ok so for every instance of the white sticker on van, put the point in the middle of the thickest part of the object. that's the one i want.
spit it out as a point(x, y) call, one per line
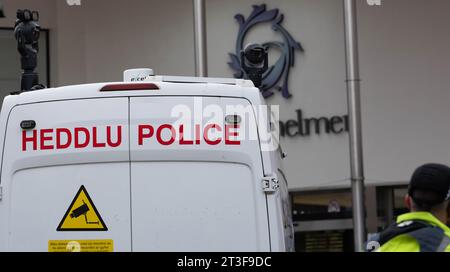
point(81, 245)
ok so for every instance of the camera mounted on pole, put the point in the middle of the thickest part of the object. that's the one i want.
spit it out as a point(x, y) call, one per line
point(255, 62)
point(27, 32)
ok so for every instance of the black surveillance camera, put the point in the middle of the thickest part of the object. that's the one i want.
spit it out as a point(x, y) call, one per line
point(254, 62)
point(255, 54)
point(27, 32)
point(24, 15)
point(35, 16)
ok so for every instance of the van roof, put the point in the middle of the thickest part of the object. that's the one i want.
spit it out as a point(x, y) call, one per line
point(179, 88)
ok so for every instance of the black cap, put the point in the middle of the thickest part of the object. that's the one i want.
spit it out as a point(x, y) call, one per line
point(431, 177)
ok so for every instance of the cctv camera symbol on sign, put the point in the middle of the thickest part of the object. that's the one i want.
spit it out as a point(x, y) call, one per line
point(82, 210)
point(82, 215)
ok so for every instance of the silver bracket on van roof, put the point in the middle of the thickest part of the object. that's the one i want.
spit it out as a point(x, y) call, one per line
point(270, 184)
point(184, 79)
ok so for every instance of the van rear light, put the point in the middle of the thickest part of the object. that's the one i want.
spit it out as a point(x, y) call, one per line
point(129, 87)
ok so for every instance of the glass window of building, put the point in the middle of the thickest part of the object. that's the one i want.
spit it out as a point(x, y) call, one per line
point(322, 205)
point(323, 221)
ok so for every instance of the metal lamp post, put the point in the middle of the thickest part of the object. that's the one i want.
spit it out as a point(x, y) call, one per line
point(354, 110)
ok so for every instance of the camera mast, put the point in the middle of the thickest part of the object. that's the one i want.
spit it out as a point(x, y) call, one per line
point(27, 32)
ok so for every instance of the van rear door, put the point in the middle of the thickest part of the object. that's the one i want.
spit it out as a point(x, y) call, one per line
point(190, 193)
point(76, 146)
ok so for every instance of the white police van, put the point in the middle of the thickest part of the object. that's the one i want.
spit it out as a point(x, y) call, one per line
point(147, 164)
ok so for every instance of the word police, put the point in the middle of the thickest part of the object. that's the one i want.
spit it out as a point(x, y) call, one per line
point(111, 136)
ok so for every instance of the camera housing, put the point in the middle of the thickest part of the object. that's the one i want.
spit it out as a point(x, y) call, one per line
point(27, 15)
point(255, 62)
point(255, 54)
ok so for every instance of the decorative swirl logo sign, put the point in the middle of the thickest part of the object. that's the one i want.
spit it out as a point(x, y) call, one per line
point(277, 76)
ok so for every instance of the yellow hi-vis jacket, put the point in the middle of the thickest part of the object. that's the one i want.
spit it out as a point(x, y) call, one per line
point(407, 243)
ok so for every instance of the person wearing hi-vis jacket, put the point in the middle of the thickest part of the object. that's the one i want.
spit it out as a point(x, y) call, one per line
point(424, 228)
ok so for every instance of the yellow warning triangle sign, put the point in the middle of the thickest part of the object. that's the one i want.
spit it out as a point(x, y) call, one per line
point(82, 215)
